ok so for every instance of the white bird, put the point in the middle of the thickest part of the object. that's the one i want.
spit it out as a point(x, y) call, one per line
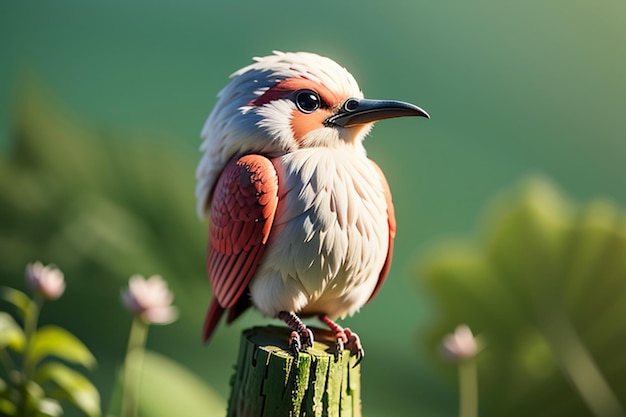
point(301, 220)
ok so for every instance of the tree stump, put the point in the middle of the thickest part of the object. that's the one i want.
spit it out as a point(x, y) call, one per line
point(269, 382)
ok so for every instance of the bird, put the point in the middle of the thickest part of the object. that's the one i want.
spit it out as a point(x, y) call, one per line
point(301, 221)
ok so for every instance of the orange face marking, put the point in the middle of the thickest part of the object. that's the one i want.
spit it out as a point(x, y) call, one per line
point(303, 123)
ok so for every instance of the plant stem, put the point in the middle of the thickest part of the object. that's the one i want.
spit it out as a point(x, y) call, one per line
point(468, 388)
point(28, 364)
point(30, 327)
point(580, 367)
point(132, 367)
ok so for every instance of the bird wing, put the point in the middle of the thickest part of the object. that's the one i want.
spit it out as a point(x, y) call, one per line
point(242, 213)
point(391, 221)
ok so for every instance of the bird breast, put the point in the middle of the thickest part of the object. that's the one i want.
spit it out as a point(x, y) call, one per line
point(330, 236)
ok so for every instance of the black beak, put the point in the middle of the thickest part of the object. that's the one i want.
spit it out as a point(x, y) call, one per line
point(360, 111)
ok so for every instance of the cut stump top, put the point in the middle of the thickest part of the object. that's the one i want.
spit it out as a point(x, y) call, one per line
point(268, 382)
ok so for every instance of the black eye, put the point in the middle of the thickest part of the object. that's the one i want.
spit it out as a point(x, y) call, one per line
point(308, 101)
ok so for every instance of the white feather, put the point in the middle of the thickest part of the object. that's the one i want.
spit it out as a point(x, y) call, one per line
point(318, 260)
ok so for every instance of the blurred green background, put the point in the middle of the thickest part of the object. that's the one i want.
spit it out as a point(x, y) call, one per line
point(101, 105)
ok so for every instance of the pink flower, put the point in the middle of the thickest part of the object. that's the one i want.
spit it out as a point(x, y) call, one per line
point(46, 280)
point(150, 299)
point(460, 345)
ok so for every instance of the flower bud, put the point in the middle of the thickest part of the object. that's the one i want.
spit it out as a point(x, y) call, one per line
point(46, 280)
point(150, 299)
point(460, 345)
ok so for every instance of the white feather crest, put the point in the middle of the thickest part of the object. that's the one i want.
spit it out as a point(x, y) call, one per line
point(233, 128)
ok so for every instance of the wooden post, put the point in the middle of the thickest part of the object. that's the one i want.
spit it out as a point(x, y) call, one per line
point(268, 382)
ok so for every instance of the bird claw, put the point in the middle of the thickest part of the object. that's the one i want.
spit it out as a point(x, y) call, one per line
point(340, 345)
point(295, 343)
point(354, 345)
point(301, 337)
point(345, 338)
point(300, 341)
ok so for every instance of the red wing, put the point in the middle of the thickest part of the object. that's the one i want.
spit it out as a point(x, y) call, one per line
point(391, 221)
point(242, 212)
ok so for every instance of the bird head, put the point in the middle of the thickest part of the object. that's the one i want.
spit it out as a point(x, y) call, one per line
point(284, 102)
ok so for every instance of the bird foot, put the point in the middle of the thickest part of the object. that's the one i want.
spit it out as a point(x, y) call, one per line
point(301, 337)
point(354, 345)
point(300, 342)
point(345, 338)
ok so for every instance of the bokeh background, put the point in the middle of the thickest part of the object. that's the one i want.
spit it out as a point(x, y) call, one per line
point(101, 105)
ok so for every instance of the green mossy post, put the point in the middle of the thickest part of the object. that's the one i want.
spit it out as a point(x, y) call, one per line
point(268, 382)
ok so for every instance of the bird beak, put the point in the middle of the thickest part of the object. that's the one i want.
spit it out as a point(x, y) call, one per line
point(361, 111)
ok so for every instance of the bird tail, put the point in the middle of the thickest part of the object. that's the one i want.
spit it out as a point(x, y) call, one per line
point(212, 318)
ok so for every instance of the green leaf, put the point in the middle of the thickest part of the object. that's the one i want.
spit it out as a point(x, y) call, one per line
point(20, 300)
point(7, 407)
point(11, 334)
point(545, 289)
point(168, 389)
point(49, 407)
point(75, 387)
point(115, 400)
point(56, 341)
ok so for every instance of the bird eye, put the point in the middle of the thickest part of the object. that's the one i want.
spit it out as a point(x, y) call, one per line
point(308, 101)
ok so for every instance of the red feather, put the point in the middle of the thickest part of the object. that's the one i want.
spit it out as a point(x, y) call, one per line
point(242, 213)
point(391, 220)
